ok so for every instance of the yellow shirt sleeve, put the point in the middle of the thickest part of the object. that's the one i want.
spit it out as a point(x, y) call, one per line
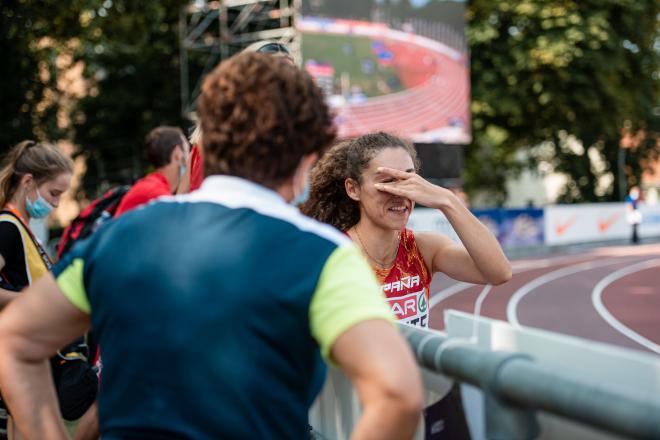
point(347, 294)
point(70, 282)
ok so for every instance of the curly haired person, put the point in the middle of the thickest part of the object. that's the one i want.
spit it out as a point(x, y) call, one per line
point(215, 320)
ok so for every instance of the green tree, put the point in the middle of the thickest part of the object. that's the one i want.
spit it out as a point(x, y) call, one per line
point(131, 55)
point(31, 34)
point(555, 70)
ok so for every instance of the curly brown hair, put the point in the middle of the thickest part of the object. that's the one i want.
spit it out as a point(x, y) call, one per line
point(260, 115)
point(328, 201)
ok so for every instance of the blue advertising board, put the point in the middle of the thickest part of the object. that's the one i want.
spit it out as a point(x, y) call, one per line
point(513, 227)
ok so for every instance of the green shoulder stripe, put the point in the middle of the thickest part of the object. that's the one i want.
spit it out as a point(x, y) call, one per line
point(347, 294)
point(70, 281)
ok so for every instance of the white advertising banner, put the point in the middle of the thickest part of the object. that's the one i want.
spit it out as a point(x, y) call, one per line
point(431, 220)
point(562, 224)
point(565, 224)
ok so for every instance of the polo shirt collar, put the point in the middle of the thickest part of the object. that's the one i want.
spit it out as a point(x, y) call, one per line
point(236, 192)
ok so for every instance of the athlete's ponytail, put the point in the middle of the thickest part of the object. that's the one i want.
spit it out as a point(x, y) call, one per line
point(43, 161)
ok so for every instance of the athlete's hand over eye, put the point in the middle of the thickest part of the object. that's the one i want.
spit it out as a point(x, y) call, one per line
point(414, 187)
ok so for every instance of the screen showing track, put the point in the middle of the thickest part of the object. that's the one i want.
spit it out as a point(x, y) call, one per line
point(400, 66)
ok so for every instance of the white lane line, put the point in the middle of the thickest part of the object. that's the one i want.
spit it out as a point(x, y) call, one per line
point(512, 306)
point(527, 266)
point(597, 299)
point(449, 291)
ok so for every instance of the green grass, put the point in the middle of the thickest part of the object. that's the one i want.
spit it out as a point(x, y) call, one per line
point(328, 49)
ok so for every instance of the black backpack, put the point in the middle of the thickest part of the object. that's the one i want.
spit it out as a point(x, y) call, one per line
point(75, 377)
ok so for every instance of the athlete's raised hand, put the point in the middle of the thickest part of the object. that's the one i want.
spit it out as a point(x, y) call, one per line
point(414, 187)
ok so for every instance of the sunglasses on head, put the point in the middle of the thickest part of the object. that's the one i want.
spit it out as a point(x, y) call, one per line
point(274, 48)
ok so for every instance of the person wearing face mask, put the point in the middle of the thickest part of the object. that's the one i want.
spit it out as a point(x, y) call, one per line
point(219, 330)
point(31, 182)
point(168, 153)
point(33, 178)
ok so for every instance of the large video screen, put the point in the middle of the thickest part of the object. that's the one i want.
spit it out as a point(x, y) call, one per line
point(395, 65)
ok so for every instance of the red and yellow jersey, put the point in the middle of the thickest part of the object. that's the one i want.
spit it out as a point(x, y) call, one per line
point(406, 284)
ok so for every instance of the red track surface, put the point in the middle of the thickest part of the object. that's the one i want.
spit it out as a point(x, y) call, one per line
point(560, 297)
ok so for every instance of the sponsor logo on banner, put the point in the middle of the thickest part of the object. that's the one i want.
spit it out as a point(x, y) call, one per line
point(564, 226)
point(604, 225)
point(411, 308)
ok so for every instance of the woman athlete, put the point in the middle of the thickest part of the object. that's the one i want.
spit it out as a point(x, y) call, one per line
point(368, 187)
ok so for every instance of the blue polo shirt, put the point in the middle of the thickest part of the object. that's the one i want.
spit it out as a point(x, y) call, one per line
point(213, 311)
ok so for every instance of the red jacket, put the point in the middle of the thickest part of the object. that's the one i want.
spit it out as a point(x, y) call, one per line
point(150, 187)
point(196, 168)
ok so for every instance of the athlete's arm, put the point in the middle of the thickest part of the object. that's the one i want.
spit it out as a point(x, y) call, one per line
point(32, 327)
point(380, 366)
point(481, 260)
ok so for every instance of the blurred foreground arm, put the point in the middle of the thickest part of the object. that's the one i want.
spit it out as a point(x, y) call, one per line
point(88, 426)
point(380, 365)
point(352, 323)
point(32, 328)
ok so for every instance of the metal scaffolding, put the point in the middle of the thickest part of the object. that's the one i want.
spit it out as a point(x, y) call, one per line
point(211, 31)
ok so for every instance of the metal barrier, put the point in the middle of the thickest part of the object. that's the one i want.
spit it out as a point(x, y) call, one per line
point(516, 387)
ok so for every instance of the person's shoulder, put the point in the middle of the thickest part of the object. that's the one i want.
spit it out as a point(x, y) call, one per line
point(308, 226)
point(144, 190)
point(10, 233)
point(153, 182)
point(8, 222)
point(9, 225)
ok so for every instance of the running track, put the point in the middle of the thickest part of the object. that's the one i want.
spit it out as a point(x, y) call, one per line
point(610, 294)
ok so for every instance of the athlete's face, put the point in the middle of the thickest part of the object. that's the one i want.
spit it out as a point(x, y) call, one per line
point(385, 210)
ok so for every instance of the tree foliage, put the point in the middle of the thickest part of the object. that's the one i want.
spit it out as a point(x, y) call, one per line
point(543, 73)
point(31, 34)
point(549, 71)
point(131, 55)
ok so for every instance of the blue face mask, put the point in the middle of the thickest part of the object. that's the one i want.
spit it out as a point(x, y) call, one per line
point(303, 196)
point(40, 208)
point(182, 170)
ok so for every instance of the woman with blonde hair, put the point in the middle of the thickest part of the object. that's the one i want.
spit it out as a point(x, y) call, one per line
point(32, 179)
